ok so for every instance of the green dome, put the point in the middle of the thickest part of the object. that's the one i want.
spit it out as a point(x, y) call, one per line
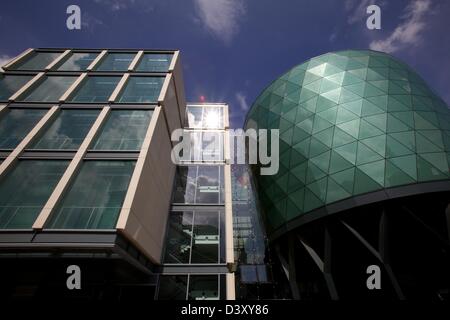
point(351, 122)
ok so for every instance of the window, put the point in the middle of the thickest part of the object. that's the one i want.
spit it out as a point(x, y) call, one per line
point(123, 130)
point(78, 61)
point(141, 90)
point(9, 84)
point(95, 89)
point(95, 197)
point(15, 124)
point(36, 61)
point(206, 239)
point(199, 184)
point(192, 287)
point(49, 90)
point(116, 62)
point(25, 190)
point(67, 131)
point(179, 237)
point(204, 117)
point(173, 287)
point(203, 287)
point(155, 62)
point(195, 237)
point(205, 146)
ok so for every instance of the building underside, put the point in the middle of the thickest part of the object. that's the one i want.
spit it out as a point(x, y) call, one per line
point(407, 237)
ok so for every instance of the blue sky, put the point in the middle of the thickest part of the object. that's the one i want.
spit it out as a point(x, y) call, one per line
point(232, 49)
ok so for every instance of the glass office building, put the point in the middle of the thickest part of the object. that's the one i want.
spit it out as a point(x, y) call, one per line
point(86, 178)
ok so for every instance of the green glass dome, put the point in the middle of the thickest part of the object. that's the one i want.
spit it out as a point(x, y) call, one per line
point(351, 123)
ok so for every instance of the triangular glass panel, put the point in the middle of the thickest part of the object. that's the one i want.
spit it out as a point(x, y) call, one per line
point(396, 177)
point(335, 192)
point(345, 179)
point(377, 144)
point(314, 173)
point(395, 149)
point(351, 127)
point(363, 183)
point(341, 137)
point(338, 163)
point(366, 155)
point(366, 130)
point(407, 164)
point(353, 106)
point(348, 151)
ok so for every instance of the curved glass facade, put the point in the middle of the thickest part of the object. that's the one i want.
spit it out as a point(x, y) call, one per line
point(351, 122)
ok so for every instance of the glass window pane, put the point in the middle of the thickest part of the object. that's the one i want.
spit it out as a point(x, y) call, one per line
point(67, 131)
point(37, 61)
point(205, 146)
point(172, 287)
point(78, 61)
point(206, 117)
point(25, 190)
point(178, 242)
point(9, 84)
point(205, 243)
point(203, 287)
point(212, 117)
point(155, 62)
point(141, 90)
point(185, 181)
point(95, 89)
point(15, 124)
point(194, 117)
point(49, 90)
point(209, 184)
point(124, 130)
point(116, 62)
point(199, 184)
point(95, 197)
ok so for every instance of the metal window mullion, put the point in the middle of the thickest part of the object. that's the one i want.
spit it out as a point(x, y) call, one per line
point(120, 86)
point(73, 87)
point(27, 86)
point(18, 58)
point(57, 60)
point(96, 60)
point(192, 236)
point(136, 60)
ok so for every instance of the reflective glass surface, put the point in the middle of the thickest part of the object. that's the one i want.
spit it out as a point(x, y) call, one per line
point(141, 90)
point(9, 84)
point(48, 90)
point(116, 62)
point(95, 196)
point(95, 89)
point(25, 190)
point(206, 117)
point(78, 61)
point(155, 62)
point(15, 124)
point(123, 130)
point(36, 61)
point(67, 131)
point(199, 184)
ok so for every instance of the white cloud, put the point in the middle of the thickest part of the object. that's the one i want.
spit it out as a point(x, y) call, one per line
point(221, 17)
point(117, 5)
point(242, 101)
point(357, 9)
point(407, 33)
